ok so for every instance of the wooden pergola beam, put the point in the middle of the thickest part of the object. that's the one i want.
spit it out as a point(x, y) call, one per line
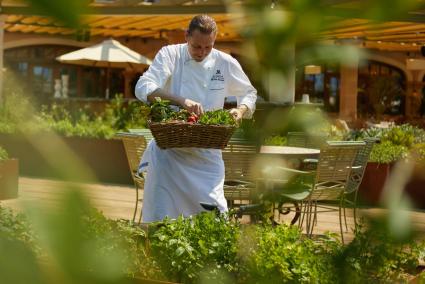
point(129, 10)
point(417, 16)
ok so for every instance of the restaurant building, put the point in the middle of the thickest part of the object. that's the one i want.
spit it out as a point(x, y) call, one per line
point(395, 53)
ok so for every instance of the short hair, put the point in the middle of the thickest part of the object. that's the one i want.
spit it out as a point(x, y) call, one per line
point(203, 23)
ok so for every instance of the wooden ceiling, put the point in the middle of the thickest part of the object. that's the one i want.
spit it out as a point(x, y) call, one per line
point(143, 19)
point(392, 36)
point(143, 26)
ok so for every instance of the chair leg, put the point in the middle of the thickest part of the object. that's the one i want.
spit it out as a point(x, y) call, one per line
point(345, 215)
point(313, 217)
point(309, 221)
point(302, 212)
point(140, 217)
point(340, 220)
point(137, 203)
point(355, 210)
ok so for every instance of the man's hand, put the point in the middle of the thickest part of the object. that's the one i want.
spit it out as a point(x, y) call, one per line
point(192, 106)
point(238, 112)
point(189, 105)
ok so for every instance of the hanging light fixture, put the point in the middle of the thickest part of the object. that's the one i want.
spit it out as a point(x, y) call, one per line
point(312, 69)
point(415, 64)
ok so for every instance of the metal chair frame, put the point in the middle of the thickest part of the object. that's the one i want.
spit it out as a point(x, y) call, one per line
point(329, 182)
point(239, 183)
point(135, 145)
point(359, 167)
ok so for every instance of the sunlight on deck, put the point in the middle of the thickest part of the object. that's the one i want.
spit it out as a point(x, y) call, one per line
point(117, 202)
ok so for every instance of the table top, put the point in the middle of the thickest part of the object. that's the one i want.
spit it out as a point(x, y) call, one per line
point(288, 150)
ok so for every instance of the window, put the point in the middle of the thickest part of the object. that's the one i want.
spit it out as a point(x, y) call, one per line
point(321, 83)
point(381, 89)
point(38, 69)
point(42, 81)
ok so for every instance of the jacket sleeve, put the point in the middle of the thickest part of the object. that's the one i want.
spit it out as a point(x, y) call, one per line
point(240, 87)
point(156, 76)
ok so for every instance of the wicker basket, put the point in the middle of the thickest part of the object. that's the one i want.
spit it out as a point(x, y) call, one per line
point(179, 134)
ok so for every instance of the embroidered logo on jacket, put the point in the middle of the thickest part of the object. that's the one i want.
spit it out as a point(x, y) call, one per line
point(217, 76)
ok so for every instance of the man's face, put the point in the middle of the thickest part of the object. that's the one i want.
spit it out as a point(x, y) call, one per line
point(200, 44)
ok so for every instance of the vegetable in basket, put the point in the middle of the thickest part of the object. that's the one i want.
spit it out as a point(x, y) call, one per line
point(162, 112)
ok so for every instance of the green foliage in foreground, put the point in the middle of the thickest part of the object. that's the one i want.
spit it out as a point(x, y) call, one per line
point(79, 245)
point(205, 246)
point(379, 256)
point(282, 255)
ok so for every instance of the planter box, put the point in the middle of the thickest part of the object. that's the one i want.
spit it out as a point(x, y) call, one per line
point(106, 159)
point(373, 182)
point(415, 188)
point(9, 173)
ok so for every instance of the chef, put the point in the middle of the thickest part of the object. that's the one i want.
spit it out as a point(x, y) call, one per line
point(196, 77)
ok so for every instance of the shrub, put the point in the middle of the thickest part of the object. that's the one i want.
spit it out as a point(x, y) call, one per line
point(275, 140)
point(16, 227)
point(400, 135)
point(190, 248)
point(377, 256)
point(387, 152)
point(282, 255)
point(3, 154)
point(17, 114)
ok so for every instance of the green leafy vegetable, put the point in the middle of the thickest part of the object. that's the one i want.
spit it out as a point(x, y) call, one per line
point(217, 117)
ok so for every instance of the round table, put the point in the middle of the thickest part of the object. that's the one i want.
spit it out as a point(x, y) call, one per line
point(288, 154)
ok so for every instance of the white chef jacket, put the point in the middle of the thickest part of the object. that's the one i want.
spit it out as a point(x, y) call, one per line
point(178, 179)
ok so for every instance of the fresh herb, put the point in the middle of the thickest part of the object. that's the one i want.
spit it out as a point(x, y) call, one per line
point(204, 246)
point(217, 117)
point(160, 110)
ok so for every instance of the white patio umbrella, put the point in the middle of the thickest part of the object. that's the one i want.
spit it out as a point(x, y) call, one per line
point(109, 54)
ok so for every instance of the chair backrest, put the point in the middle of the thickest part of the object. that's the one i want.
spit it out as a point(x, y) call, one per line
point(134, 145)
point(238, 157)
point(334, 169)
point(305, 140)
point(146, 132)
point(359, 165)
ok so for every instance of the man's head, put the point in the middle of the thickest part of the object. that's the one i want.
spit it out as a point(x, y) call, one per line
point(200, 36)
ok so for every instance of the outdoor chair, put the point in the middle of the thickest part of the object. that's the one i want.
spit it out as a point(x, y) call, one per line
point(238, 157)
point(135, 145)
point(359, 167)
point(315, 191)
point(305, 140)
point(146, 132)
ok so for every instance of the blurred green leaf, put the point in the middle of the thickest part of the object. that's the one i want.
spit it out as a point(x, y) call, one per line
point(18, 264)
point(66, 11)
point(74, 247)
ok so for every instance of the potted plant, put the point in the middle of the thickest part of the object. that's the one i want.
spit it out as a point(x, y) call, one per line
point(381, 160)
point(396, 143)
point(8, 176)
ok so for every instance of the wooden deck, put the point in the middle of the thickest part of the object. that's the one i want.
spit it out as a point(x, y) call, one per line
point(118, 202)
